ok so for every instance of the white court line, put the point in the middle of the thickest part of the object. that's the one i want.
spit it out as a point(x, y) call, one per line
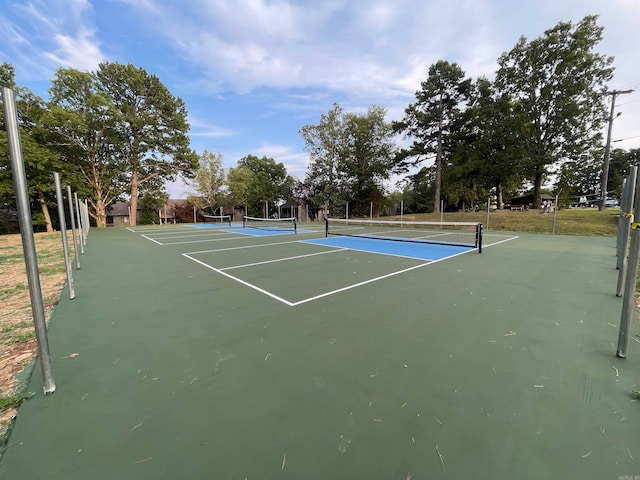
point(192, 235)
point(501, 241)
point(210, 240)
point(374, 279)
point(151, 239)
point(269, 294)
point(246, 246)
point(282, 259)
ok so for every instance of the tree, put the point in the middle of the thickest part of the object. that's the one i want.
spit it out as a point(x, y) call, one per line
point(268, 182)
point(485, 151)
point(430, 120)
point(619, 165)
point(324, 143)
point(351, 155)
point(153, 123)
point(208, 182)
point(81, 124)
point(153, 197)
point(40, 161)
point(238, 181)
point(366, 157)
point(557, 81)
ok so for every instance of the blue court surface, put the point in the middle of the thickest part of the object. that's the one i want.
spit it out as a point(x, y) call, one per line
point(422, 251)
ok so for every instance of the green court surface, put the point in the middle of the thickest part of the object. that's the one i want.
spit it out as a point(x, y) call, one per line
point(204, 354)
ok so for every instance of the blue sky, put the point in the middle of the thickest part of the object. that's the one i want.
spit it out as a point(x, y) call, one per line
point(253, 72)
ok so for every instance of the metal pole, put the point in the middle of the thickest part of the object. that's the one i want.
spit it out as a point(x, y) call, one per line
point(620, 253)
point(63, 234)
point(371, 212)
point(80, 226)
point(194, 215)
point(73, 227)
point(441, 212)
point(488, 210)
point(628, 301)
point(627, 219)
point(28, 242)
point(401, 210)
point(88, 220)
point(555, 214)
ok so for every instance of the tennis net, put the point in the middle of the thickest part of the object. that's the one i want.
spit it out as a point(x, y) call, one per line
point(225, 219)
point(462, 234)
point(277, 224)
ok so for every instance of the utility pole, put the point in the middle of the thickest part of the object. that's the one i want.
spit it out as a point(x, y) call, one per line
point(607, 150)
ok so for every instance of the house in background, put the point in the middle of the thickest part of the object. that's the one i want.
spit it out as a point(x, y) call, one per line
point(118, 215)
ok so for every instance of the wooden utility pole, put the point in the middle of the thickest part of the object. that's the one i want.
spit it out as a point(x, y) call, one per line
point(607, 151)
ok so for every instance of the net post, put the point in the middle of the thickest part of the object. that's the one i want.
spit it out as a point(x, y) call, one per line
point(244, 222)
point(479, 237)
point(295, 226)
point(326, 226)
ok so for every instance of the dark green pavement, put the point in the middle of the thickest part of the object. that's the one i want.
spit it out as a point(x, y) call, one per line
point(498, 366)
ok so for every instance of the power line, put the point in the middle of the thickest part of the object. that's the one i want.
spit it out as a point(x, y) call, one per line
point(627, 103)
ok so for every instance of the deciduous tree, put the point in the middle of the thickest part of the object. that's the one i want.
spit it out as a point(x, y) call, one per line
point(557, 81)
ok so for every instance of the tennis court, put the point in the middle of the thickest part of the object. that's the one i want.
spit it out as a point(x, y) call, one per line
point(223, 352)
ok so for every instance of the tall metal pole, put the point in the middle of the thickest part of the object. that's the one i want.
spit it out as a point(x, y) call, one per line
point(607, 151)
point(73, 228)
point(63, 234)
point(488, 211)
point(626, 219)
point(80, 227)
point(87, 222)
point(628, 301)
point(28, 243)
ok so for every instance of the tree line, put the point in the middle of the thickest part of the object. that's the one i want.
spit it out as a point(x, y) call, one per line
point(119, 132)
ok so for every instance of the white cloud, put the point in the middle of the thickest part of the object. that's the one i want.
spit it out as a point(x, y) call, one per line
point(80, 52)
point(48, 35)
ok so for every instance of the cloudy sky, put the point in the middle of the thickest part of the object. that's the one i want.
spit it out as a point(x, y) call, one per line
point(253, 72)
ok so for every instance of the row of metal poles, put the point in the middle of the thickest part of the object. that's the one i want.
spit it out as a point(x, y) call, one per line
point(79, 216)
point(628, 253)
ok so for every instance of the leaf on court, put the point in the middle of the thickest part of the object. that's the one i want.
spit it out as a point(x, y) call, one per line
point(511, 332)
point(635, 394)
point(72, 355)
point(586, 454)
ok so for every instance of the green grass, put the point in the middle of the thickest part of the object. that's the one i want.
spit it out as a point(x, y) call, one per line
point(13, 401)
point(12, 334)
point(6, 293)
point(582, 221)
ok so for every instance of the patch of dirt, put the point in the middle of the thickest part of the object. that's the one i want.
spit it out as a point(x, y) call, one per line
point(17, 343)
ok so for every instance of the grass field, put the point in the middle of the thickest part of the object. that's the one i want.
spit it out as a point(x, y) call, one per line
point(17, 345)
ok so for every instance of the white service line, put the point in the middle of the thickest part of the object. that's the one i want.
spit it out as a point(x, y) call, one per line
point(210, 240)
point(246, 246)
point(497, 243)
point(337, 249)
point(269, 294)
point(193, 234)
point(151, 239)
